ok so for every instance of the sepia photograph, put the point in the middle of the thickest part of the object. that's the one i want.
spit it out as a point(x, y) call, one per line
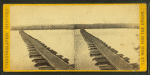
point(75, 37)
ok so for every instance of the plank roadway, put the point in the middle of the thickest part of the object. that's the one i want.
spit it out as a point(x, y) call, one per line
point(53, 60)
point(115, 60)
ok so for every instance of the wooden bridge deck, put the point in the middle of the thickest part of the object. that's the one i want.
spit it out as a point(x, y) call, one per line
point(56, 62)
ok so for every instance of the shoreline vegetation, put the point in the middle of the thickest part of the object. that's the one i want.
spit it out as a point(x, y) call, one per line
point(75, 26)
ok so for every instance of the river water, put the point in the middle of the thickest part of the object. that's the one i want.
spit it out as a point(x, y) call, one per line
point(71, 45)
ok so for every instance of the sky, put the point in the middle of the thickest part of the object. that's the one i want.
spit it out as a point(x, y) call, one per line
point(73, 14)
